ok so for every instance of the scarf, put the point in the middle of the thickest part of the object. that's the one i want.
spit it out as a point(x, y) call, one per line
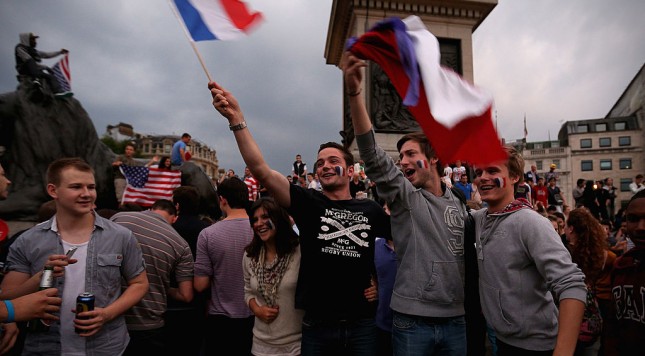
point(270, 275)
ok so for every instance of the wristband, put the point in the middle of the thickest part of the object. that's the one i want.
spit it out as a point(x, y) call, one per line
point(238, 127)
point(11, 314)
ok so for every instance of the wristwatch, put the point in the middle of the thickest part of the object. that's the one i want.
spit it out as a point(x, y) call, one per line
point(240, 126)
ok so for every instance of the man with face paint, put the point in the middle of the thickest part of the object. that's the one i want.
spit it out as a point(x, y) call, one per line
point(337, 235)
point(523, 266)
point(428, 231)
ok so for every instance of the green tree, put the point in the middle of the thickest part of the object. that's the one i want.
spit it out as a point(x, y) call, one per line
point(117, 147)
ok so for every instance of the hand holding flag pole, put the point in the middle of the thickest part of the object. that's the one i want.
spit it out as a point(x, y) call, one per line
point(213, 20)
point(447, 108)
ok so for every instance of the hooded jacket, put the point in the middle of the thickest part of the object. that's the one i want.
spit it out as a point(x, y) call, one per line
point(24, 52)
point(428, 233)
point(523, 265)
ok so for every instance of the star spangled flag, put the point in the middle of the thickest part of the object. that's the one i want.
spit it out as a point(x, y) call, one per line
point(454, 115)
point(217, 19)
point(62, 73)
point(147, 185)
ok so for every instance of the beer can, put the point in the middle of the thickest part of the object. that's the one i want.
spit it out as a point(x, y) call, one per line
point(84, 302)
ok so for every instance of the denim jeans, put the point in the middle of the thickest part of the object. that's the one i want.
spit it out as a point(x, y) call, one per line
point(417, 335)
point(339, 338)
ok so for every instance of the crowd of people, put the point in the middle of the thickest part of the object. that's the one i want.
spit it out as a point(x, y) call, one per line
point(367, 257)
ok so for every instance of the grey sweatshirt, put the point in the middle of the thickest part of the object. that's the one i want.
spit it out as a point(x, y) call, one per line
point(428, 236)
point(523, 265)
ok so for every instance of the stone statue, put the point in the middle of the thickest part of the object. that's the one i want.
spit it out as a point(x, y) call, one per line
point(35, 131)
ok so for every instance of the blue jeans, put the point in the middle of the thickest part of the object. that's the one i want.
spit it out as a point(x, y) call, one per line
point(339, 338)
point(417, 335)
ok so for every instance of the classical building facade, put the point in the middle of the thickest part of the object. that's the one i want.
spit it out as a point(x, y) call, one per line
point(595, 149)
point(161, 145)
point(149, 146)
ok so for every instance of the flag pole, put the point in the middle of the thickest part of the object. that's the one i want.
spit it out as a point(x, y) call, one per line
point(192, 43)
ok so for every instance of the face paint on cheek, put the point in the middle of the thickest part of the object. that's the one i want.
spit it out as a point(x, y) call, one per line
point(500, 182)
point(339, 170)
point(422, 163)
point(270, 225)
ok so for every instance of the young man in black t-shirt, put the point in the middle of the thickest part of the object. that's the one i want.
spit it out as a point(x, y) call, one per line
point(337, 242)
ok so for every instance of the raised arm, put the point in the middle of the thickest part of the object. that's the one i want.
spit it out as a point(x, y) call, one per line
point(226, 104)
point(352, 68)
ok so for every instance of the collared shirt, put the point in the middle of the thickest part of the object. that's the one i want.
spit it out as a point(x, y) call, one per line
point(112, 253)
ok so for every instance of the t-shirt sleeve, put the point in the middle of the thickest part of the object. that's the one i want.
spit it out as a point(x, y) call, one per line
point(203, 265)
point(185, 267)
point(133, 262)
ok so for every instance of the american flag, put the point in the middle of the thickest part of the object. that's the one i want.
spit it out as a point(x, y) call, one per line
point(147, 185)
point(62, 73)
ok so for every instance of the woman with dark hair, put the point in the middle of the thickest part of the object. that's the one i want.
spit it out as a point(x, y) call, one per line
point(587, 243)
point(271, 266)
point(164, 163)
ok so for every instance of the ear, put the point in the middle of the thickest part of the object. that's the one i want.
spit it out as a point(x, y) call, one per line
point(51, 190)
point(433, 161)
point(513, 179)
point(350, 170)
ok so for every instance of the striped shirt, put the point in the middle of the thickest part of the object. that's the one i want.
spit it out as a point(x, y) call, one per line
point(220, 251)
point(166, 254)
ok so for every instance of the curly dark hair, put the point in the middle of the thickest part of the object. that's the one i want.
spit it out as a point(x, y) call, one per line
point(588, 251)
point(286, 239)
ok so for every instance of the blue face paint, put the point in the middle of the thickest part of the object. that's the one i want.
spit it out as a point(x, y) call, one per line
point(422, 163)
point(270, 225)
point(339, 170)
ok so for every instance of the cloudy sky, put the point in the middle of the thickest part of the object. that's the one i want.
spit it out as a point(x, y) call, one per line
point(552, 60)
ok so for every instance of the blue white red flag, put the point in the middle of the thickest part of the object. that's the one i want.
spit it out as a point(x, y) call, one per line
point(63, 74)
point(147, 185)
point(454, 115)
point(217, 19)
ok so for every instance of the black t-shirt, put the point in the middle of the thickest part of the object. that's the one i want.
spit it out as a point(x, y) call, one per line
point(552, 192)
point(337, 246)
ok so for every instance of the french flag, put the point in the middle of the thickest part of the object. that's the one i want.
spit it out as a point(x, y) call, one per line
point(217, 19)
point(454, 115)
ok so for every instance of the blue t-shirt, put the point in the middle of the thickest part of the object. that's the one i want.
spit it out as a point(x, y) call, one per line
point(467, 189)
point(175, 155)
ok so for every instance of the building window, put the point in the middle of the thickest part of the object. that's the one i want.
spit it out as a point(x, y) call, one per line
point(583, 128)
point(538, 165)
point(625, 141)
point(166, 148)
point(557, 163)
point(625, 163)
point(555, 144)
point(586, 166)
point(605, 165)
point(585, 143)
point(620, 126)
point(601, 127)
point(538, 146)
point(624, 184)
point(605, 142)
